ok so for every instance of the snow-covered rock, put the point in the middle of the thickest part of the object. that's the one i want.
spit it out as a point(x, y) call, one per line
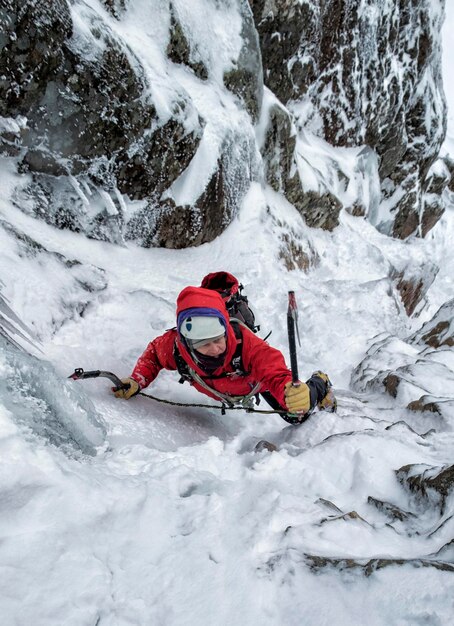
point(418, 372)
point(365, 73)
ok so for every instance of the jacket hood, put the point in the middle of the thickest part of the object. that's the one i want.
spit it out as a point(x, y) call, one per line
point(200, 298)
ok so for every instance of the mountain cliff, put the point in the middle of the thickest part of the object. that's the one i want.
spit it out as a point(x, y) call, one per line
point(148, 120)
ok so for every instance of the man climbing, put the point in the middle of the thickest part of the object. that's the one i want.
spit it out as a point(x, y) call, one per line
point(222, 358)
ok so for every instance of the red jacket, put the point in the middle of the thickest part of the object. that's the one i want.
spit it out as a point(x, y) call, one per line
point(264, 364)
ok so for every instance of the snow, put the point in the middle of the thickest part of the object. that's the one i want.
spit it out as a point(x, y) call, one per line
point(120, 513)
point(176, 520)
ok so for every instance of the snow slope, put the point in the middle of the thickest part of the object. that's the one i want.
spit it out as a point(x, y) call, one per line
point(176, 520)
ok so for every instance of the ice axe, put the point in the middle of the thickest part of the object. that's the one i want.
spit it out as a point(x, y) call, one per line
point(293, 333)
point(80, 374)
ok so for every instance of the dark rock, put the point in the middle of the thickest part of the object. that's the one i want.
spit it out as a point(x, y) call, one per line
point(33, 35)
point(319, 211)
point(221, 200)
point(407, 219)
point(91, 109)
point(421, 406)
point(449, 162)
point(92, 129)
point(391, 384)
point(115, 7)
point(246, 78)
point(239, 81)
point(284, 29)
point(150, 166)
point(165, 225)
point(433, 208)
point(433, 337)
point(61, 203)
point(410, 292)
point(265, 445)
point(413, 284)
point(76, 105)
point(37, 160)
point(179, 50)
point(278, 148)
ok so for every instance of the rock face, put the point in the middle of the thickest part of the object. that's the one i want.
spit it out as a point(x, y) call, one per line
point(98, 135)
point(126, 131)
point(357, 73)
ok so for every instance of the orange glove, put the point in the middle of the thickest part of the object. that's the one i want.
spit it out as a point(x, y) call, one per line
point(127, 392)
point(297, 398)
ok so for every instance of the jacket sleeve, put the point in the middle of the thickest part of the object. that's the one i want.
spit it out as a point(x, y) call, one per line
point(266, 364)
point(318, 389)
point(158, 355)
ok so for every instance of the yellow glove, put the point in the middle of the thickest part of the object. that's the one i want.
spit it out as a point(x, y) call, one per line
point(127, 392)
point(297, 398)
point(329, 402)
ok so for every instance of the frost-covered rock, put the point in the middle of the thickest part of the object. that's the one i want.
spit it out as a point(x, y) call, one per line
point(358, 73)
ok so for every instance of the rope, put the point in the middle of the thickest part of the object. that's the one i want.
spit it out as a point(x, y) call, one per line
point(80, 374)
point(211, 406)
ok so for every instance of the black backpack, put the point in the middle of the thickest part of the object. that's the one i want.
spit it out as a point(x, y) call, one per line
point(231, 291)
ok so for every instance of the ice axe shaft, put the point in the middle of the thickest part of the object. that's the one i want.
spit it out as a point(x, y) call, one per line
point(293, 333)
point(80, 374)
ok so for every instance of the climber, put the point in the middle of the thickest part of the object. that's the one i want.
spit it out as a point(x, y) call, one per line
point(225, 360)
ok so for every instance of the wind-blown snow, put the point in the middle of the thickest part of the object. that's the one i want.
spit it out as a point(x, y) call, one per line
point(122, 513)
